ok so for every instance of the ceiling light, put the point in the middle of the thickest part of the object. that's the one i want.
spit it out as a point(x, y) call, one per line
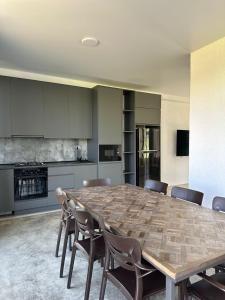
point(90, 41)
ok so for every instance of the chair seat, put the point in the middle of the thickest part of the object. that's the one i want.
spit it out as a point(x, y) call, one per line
point(84, 246)
point(152, 283)
point(206, 291)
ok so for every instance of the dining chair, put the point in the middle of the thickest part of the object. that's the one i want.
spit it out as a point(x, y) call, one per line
point(187, 194)
point(208, 288)
point(131, 276)
point(218, 204)
point(156, 186)
point(93, 246)
point(67, 222)
point(97, 182)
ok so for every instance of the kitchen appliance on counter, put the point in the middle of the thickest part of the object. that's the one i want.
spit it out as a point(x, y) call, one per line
point(109, 153)
point(30, 181)
point(147, 153)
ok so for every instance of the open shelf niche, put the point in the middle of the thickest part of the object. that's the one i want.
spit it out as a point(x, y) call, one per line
point(129, 135)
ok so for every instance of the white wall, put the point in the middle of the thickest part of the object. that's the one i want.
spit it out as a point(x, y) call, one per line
point(207, 121)
point(174, 115)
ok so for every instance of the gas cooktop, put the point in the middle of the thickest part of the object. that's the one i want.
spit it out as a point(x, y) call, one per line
point(29, 164)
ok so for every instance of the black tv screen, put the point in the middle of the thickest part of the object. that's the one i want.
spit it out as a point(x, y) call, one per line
point(182, 143)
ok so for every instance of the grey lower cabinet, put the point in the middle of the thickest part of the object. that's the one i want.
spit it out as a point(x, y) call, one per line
point(85, 172)
point(27, 107)
point(80, 112)
point(5, 117)
point(56, 121)
point(7, 191)
point(112, 170)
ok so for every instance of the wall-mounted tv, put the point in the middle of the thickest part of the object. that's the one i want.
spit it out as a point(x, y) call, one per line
point(182, 143)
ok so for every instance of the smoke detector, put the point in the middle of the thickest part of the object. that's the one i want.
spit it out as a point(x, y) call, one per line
point(90, 41)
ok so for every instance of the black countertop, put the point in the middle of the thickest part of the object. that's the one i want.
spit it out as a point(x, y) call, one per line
point(53, 164)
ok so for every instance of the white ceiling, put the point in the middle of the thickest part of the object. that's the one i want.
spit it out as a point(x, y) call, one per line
point(143, 44)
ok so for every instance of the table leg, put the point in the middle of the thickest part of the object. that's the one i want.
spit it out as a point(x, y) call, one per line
point(170, 289)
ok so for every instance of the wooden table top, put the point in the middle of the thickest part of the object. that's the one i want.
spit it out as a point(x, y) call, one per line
point(179, 238)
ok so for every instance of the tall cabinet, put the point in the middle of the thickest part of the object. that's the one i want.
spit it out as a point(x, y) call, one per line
point(107, 129)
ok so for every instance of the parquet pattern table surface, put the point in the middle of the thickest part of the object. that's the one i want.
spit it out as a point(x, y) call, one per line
point(178, 237)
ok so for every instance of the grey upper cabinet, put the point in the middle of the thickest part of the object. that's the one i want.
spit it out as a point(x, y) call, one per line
point(109, 102)
point(147, 100)
point(56, 121)
point(147, 108)
point(80, 112)
point(26, 107)
point(5, 125)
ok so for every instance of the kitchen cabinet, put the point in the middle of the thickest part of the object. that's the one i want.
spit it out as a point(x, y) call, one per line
point(84, 172)
point(7, 191)
point(109, 115)
point(147, 116)
point(80, 112)
point(112, 170)
point(147, 108)
point(56, 121)
point(5, 118)
point(26, 107)
point(147, 100)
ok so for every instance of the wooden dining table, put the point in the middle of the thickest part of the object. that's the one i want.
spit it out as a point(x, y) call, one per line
point(178, 237)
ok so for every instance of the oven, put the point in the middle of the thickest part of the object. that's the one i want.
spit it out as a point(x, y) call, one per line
point(109, 152)
point(30, 183)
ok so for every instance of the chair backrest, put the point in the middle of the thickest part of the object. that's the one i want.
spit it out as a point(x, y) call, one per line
point(124, 250)
point(63, 201)
point(97, 182)
point(187, 194)
point(156, 186)
point(218, 203)
point(84, 221)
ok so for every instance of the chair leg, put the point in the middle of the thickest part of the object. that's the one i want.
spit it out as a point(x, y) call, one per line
point(63, 254)
point(89, 276)
point(58, 240)
point(74, 249)
point(103, 286)
point(112, 263)
point(70, 242)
